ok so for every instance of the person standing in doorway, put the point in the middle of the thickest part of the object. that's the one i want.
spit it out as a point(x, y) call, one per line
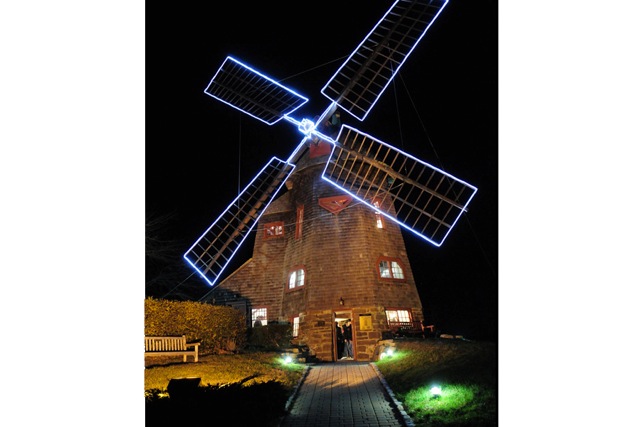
point(348, 337)
point(339, 340)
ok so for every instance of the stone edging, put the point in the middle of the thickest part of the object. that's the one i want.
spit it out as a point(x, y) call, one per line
point(408, 422)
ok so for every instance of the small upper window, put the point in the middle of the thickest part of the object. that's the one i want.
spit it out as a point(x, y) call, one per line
point(299, 217)
point(274, 229)
point(390, 268)
point(296, 278)
point(379, 220)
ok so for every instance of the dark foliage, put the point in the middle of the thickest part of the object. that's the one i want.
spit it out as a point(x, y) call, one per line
point(260, 404)
point(167, 275)
point(271, 337)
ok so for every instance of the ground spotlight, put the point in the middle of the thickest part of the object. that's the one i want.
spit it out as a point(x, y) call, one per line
point(287, 358)
point(436, 391)
point(387, 352)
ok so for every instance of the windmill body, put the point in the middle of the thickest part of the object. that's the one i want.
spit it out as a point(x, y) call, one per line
point(339, 244)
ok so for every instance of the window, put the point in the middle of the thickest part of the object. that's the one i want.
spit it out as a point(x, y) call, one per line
point(299, 216)
point(274, 229)
point(379, 221)
point(335, 204)
point(296, 326)
point(390, 268)
point(398, 316)
point(401, 323)
point(296, 278)
point(259, 316)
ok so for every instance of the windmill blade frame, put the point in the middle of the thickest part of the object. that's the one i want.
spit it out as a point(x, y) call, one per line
point(213, 250)
point(358, 84)
point(423, 199)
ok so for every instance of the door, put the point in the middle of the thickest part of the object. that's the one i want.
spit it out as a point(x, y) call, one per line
point(340, 317)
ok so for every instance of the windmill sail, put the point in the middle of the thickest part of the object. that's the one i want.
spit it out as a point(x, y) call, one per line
point(211, 253)
point(253, 93)
point(360, 81)
point(426, 200)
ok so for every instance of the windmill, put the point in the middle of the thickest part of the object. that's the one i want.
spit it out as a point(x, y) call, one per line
point(419, 197)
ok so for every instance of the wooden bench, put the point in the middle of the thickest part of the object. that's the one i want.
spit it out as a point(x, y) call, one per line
point(170, 346)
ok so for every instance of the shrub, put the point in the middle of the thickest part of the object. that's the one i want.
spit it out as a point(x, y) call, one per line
point(273, 336)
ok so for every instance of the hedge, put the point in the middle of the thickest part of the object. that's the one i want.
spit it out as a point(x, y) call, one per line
point(220, 328)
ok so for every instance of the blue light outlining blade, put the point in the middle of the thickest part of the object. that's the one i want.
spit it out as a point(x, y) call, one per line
point(419, 197)
point(211, 253)
point(253, 93)
point(359, 82)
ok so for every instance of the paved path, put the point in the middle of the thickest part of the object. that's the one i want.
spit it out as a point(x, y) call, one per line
point(344, 394)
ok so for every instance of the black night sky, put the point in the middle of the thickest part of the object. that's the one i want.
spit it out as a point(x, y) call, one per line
point(441, 108)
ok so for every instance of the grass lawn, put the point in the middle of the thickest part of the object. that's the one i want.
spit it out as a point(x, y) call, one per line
point(466, 373)
point(222, 369)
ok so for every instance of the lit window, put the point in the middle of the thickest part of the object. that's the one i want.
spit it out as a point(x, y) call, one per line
point(259, 316)
point(390, 268)
point(397, 316)
point(299, 216)
point(296, 278)
point(392, 316)
point(274, 229)
point(379, 221)
point(384, 270)
point(396, 270)
point(296, 326)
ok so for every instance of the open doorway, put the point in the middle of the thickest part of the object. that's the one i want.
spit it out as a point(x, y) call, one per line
point(340, 318)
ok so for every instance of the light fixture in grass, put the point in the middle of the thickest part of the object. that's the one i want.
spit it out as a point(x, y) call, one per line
point(435, 391)
point(388, 352)
point(429, 399)
point(286, 358)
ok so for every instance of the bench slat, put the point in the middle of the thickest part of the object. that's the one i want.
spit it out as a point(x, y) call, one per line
point(170, 345)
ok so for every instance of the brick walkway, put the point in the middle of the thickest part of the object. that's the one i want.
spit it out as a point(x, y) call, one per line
point(344, 394)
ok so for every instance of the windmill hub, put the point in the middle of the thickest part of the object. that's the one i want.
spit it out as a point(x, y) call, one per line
point(306, 127)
